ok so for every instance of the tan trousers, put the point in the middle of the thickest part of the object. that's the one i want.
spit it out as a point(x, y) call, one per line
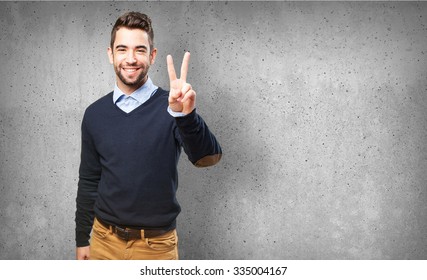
point(105, 245)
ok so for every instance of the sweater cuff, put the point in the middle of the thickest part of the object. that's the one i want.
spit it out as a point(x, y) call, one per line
point(82, 239)
point(175, 114)
point(189, 122)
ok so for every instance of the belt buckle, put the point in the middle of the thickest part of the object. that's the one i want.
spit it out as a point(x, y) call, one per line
point(122, 233)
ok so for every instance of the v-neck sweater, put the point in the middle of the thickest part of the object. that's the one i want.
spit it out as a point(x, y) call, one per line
point(128, 172)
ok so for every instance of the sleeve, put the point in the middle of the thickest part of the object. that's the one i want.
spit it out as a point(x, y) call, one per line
point(89, 176)
point(200, 145)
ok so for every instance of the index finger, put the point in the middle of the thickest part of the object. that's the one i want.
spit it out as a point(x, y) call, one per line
point(171, 68)
point(184, 66)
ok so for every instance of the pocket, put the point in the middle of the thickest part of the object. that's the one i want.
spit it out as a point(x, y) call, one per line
point(167, 241)
point(99, 230)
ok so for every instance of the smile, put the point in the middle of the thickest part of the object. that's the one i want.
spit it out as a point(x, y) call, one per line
point(131, 70)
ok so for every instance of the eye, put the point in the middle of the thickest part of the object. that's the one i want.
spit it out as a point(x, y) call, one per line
point(141, 51)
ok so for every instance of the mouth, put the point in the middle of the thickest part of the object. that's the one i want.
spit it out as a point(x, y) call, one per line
point(131, 70)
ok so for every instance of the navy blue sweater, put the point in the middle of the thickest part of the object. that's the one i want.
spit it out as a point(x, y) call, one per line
point(128, 171)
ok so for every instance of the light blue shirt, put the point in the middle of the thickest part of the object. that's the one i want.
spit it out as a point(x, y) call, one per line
point(128, 103)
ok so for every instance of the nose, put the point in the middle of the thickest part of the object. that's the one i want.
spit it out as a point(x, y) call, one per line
point(130, 57)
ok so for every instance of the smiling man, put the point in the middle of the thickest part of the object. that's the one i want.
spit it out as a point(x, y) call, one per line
point(131, 54)
point(131, 143)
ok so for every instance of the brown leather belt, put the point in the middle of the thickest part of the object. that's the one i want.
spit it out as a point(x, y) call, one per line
point(130, 233)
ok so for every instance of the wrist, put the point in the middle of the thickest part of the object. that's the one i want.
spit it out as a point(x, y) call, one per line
point(176, 114)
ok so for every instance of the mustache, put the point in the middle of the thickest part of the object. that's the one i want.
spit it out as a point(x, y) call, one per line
point(131, 63)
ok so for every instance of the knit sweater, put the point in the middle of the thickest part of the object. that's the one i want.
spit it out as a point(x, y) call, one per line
point(128, 171)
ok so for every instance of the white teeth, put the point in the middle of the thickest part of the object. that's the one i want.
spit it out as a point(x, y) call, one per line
point(130, 70)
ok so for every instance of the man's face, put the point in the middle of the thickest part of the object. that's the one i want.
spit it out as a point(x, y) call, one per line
point(131, 57)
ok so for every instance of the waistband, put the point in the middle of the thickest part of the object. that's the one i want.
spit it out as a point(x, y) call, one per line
point(126, 233)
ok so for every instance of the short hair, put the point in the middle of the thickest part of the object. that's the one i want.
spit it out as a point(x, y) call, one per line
point(133, 20)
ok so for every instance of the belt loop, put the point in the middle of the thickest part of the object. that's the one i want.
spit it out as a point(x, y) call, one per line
point(142, 234)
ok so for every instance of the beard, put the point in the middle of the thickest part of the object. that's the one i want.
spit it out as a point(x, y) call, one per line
point(134, 82)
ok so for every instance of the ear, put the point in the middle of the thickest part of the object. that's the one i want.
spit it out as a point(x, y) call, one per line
point(110, 55)
point(153, 56)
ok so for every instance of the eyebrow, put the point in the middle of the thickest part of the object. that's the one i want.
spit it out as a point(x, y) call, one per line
point(137, 47)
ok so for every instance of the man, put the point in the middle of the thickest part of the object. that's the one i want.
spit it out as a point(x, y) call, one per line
point(131, 143)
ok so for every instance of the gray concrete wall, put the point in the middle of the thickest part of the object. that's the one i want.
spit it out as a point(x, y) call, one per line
point(321, 110)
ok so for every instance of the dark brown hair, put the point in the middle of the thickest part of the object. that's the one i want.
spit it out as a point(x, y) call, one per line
point(134, 20)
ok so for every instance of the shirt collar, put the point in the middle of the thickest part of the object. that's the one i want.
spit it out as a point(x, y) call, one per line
point(141, 95)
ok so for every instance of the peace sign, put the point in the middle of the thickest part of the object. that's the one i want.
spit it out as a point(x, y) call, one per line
point(182, 98)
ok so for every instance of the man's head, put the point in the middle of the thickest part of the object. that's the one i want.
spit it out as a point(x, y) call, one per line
point(131, 50)
point(133, 20)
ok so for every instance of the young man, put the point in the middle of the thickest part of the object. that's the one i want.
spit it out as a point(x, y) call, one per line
point(131, 143)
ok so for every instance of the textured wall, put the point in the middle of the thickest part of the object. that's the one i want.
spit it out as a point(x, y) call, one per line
point(321, 110)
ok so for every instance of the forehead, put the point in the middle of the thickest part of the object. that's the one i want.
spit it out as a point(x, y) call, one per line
point(131, 37)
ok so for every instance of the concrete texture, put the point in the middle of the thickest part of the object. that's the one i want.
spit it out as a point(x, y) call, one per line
point(321, 110)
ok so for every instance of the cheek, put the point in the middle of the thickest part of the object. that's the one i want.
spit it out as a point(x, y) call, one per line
point(118, 59)
point(144, 59)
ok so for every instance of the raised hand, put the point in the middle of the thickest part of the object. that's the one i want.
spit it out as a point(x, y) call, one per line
point(182, 98)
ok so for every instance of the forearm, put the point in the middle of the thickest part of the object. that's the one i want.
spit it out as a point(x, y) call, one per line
point(85, 201)
point(198, 141)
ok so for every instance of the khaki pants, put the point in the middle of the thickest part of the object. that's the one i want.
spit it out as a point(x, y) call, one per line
point(105, 245)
